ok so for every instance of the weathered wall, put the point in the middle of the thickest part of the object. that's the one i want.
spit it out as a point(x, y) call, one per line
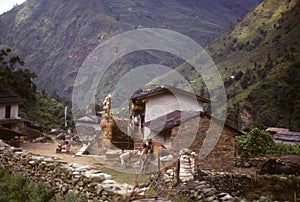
point(193, 132)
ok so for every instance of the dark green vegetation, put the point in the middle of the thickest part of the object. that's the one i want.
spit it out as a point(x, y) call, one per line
point(263, 54)
point(14, 187)
point(15, 79)
point(260, 142)
point(38, 106)
point(54, 37)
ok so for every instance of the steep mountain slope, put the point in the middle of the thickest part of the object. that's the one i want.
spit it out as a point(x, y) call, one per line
point(54, 37)
point(259, 61)
point(260, 64)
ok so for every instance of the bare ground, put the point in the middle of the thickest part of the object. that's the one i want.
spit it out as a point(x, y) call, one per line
point(49, 149)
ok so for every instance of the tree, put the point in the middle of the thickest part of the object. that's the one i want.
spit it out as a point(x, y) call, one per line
point(13, 77)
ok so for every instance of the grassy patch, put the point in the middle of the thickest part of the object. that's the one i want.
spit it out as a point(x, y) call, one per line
point(122, 177)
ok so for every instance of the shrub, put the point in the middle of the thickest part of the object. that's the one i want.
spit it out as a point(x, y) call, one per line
point(285, 149)
point(17, 188)
point(258, 142)
point(255, 142)
point(70, 197)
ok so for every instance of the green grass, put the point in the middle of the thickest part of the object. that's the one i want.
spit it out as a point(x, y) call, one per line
point(122, 177)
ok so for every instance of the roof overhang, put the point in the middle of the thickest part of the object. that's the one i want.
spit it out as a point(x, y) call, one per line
point(163, 89)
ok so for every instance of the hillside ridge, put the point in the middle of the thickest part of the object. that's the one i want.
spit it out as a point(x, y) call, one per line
point(54, 37)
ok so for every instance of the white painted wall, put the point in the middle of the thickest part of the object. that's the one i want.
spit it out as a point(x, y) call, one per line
point(2, 111)
point(14, 111)
point(163, 104)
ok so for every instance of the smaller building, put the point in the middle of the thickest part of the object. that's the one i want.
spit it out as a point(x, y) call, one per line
point(283, 135)
point(10, 122)
point(9, 110)
point(289, 137)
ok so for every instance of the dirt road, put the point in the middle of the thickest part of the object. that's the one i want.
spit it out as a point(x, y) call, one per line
point(49, 149)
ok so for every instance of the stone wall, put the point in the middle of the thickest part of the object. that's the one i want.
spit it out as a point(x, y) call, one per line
point(86, 181)
point(225, 186)
point(256, 162)
point(222, 157)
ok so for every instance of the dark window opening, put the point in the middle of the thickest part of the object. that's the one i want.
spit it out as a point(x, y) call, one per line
point(7, 111)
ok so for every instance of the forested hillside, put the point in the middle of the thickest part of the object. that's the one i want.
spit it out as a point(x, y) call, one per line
point(260, 64)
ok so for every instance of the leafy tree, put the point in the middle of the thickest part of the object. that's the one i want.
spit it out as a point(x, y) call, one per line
point(13, 78)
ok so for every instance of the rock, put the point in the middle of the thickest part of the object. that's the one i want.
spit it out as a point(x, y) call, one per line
point(221, 194)
point(202, 182)
point(247, 165)
point(32, 162)
point(227, 197)
point(84, 168)
point(97, 176)
point(211, 198)
point(76, 173)
point(109, 182)
point(204, 186)
point(209, 192)
point(80, 183)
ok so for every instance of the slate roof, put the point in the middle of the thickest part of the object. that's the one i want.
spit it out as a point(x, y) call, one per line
point(7, 97)
point(170, 120)
point(275, 130)
point(289, 136)
point(162, 89)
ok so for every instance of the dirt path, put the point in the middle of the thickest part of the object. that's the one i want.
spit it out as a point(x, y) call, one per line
point(49, 149)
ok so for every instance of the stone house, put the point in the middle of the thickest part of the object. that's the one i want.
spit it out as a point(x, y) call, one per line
point(175, 125)
point(189, 130)
point(156, 103)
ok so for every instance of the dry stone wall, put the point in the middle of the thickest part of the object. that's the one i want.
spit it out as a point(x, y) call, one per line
point(85, 181)
point(225, 186)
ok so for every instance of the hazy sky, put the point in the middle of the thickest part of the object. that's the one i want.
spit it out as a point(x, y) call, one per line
point(6, 5)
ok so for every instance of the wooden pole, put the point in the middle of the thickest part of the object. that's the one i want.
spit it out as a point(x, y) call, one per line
point(158, 158)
